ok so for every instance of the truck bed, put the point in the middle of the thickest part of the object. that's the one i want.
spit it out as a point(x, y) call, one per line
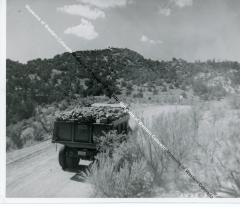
point(77, 134)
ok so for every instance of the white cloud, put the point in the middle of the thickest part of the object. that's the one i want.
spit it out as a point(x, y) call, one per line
point(89, 9)
point(183, 3)
point(84, 30)
point(83, 10)
point(104, 4)
point(167, 9)
point(145, 39)
point(164, 11)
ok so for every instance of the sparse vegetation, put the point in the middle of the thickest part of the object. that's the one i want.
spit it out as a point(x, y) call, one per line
point(124, 174)
point(234, 101)
point(110, 141)
point(40, 126)
point(205, 136)
point(206, 92)
point(193, 138)
point(45, 81)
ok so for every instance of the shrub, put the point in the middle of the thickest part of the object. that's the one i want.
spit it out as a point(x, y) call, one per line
point(208, 92)
point(171, 87)
point(63, 105)
point(109, 141)
point(234, 101)
point(128, 92)
point(164, 88)
point(14, 133)
point(123, 84)
point(47, 121)
point(154, 157)
point(138, 95)
point(196, 113)
point(217, 113)
point(184, 95)
point(155, 91)
point(10, 145)
point(178, 131)
point(134, 168)
point(217, 92)
point(129, 87)
point(234, 190)
point(229, 185)
point(125, 174)
point(138, 166)
point(200, 89)
point(39, 132)
point(27, 136)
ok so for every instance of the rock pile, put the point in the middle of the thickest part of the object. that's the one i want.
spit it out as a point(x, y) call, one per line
point(92, 114)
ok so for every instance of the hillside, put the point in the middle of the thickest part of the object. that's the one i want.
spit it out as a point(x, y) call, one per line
point(45, 81)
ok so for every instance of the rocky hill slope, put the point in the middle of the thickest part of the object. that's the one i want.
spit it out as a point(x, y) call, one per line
point(44, 81)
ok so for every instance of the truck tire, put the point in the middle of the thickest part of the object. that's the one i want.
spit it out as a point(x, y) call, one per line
point(62, 157)
point(71, 162)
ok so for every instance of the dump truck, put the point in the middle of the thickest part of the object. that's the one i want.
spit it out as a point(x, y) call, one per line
point(78, 130)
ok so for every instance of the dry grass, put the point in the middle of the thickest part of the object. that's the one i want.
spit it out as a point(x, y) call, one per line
point(124, 174)
point(205, 139)
point(142, 161)
point(234, 101)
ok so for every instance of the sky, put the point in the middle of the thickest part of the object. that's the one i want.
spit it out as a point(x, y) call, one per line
point(157, 29)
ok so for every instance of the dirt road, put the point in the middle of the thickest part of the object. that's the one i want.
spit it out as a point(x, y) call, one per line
point(35, 172)
point(39, 175)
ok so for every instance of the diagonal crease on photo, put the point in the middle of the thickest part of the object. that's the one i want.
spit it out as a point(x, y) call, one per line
point(132, 115)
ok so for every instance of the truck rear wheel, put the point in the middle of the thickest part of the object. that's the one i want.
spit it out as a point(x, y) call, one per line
point(72, 162)
point(66, 160)
point(62, 157)
point(72, 159)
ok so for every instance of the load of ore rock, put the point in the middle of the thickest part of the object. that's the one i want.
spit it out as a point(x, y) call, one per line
point(92, 114)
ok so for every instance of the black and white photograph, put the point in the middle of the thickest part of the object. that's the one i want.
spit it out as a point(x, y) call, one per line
point(122, 99)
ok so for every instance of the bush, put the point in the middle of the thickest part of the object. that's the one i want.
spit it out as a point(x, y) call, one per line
point(200, 89)
point(154, 156)
point(171, 87)
point(14, 133)
point(109, 141)
point(178, 131)
point(39, 132)
point(27, 136)
point(63, 105)
point(46, 121)
point(138, 95)
point(217, 92)
point(10, 145)
point(208, 92)
point(234, 190)
point(138, 167)
point(234, 101)
point(24, 133)
point(123, 84)
point(230, 160)
point(184, 95)
point(123, 175)
point(217, 113)
point(155, 91)
point(129, 87)
point(128, 93)
point(134, 169)
point(164, 88)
